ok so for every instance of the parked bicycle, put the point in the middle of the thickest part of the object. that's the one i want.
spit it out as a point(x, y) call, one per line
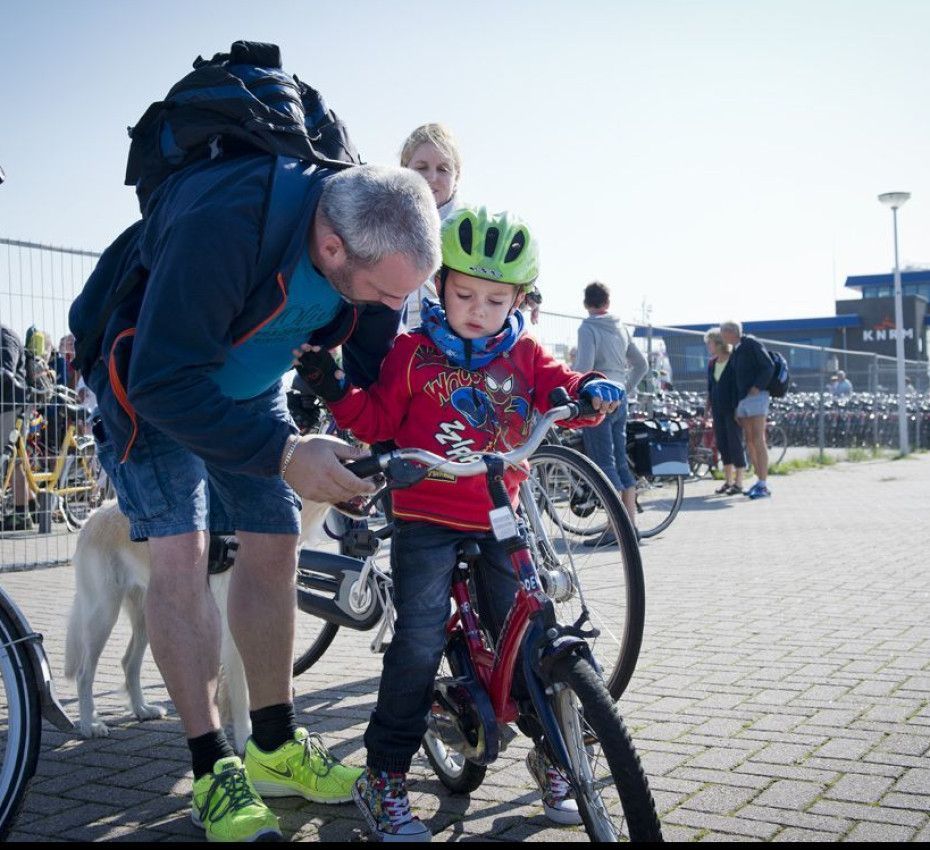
point(63, 475)
point(27, 694)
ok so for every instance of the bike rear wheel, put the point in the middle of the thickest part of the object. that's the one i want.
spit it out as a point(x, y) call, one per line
point(590, 561)
point(20, 722)
point(604, 769)
point(777, 441)
point(658, 500)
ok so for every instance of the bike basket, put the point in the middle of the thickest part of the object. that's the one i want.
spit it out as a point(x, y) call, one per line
point(658, 447)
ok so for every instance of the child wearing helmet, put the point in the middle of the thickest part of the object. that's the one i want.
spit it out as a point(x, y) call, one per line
point(464, 383)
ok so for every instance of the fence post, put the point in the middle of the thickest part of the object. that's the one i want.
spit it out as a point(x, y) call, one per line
point(821, 427)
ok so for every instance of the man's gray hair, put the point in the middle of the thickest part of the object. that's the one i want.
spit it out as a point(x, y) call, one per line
point(733, 327)
point(378, 210)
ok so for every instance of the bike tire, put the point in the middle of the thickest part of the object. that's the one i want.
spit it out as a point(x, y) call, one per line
point(456, 772)
point(777, 441)
point(20, 722)
point(85, 472)
point(319, 643)
point(604, 768)
point(658, 500)
point(609, 577)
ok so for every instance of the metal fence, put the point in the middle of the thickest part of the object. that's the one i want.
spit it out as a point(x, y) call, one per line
point(38, 283)
point(37, 286)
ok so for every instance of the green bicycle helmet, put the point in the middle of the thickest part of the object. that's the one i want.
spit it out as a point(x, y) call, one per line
point(492, 246)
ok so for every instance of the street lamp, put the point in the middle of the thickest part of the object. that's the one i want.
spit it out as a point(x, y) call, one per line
point(895, 200)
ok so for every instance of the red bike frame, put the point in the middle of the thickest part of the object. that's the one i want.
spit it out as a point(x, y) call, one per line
point(496, 672)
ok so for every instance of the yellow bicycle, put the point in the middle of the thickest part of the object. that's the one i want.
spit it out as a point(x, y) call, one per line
point(67, 484)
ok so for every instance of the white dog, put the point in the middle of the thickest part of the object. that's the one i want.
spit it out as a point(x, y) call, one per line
point(112, 572)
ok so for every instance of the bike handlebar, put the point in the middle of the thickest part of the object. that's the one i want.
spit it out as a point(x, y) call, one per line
point(375, 464)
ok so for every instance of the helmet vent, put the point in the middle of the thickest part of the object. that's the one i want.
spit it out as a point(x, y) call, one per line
point(516, 246)
point(490, 241)
point(466, 235)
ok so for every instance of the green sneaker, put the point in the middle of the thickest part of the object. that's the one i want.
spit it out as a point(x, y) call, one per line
point(300, 768)
point(227, 806)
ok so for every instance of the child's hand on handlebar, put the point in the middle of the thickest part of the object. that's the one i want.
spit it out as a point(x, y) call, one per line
point(605, 396)
point(321, 372)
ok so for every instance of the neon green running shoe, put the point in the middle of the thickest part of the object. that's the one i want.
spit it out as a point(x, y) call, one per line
point(300, 768)
point(227, 806)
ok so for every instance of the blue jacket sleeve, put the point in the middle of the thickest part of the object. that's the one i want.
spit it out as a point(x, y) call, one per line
point(363, 354)
point(202, 269)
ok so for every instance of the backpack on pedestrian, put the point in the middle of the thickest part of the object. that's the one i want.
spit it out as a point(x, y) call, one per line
point(236, 103)
point(781, 377)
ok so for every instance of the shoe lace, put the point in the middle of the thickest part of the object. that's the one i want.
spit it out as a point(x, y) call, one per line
point(391, 792)
point(234, 783)
point(558, 786)
point(324, 762)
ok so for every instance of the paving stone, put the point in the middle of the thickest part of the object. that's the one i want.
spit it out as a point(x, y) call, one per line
point(879, 832)
point(789, 794)
point(859, 788)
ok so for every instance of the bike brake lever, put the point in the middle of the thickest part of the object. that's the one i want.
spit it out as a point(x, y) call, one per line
point(402, 473)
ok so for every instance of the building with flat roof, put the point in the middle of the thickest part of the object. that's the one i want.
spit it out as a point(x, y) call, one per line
point(864, 325)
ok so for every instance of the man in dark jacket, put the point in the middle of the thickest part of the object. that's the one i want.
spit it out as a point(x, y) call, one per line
point(753, 371)
point(240, 262)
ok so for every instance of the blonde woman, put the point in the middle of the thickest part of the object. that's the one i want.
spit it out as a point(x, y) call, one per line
point(721, 399)
point(432, 152)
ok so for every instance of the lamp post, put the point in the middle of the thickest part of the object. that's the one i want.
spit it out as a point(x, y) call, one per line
point(896, 200)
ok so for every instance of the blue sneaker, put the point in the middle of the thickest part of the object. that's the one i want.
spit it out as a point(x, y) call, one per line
point(751, 490)
point(760, 491)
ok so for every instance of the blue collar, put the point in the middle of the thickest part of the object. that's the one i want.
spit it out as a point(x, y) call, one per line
point(469, 354)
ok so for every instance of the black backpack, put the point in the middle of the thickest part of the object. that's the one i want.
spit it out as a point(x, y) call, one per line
point(236, 102)
point(778, 385)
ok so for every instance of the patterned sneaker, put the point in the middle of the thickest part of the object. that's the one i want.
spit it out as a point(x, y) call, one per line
point(227, 807)
point(300, 768)
point(558, 802)
point(382, 798)
point(760, 491)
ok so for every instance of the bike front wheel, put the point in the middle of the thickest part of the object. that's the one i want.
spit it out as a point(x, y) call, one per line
point(603, 767)
point(587, 556)
point(20, 721)
point(658, 500)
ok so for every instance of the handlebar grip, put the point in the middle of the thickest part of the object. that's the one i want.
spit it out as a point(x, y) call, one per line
point(364, 467)
point(585, 408)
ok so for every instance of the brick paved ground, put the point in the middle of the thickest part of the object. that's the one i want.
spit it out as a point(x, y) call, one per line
point(783, 692)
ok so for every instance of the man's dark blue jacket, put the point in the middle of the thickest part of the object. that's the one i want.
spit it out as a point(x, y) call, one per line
point(220, 242)
point(753, 366)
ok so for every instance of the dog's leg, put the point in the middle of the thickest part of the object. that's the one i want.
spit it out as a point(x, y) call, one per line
point(132, 660)
point(94, 629)
point(234, 690)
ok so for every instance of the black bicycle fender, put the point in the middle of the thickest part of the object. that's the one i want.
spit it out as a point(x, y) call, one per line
point(52, 709)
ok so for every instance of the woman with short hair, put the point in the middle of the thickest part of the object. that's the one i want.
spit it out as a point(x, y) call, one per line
point(721, 399)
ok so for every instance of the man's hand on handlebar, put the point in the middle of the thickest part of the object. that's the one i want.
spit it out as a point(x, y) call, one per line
point(316, 472)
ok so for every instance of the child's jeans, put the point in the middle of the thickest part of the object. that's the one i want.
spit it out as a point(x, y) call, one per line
point(422, 561)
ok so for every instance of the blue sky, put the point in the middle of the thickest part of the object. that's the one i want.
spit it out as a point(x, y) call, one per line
point(714, 159)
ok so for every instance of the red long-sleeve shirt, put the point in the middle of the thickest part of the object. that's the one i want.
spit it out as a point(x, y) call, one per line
point(421, 400)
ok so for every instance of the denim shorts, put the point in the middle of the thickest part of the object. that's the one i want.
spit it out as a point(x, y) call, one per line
point(164, 489)
point(753, 405)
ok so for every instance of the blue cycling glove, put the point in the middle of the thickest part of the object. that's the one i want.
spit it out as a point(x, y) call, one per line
point(607, 391)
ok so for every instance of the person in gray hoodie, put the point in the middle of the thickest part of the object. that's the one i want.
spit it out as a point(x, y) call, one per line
point(606, 346)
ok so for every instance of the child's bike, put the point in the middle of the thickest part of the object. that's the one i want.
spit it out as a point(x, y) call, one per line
point(569, 711)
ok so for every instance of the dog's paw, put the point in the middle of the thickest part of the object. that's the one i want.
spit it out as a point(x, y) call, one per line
point(149, 712)
point(94, 729)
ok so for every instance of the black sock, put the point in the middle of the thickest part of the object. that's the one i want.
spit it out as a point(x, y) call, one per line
point(273, 726)
point(207, 750)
